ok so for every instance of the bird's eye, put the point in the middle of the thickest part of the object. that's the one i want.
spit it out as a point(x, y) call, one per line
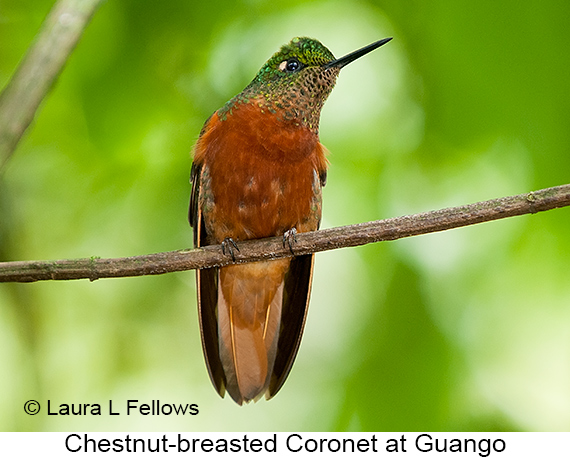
point(291, 65)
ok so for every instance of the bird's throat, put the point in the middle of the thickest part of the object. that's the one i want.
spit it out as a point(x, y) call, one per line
point(296, 102)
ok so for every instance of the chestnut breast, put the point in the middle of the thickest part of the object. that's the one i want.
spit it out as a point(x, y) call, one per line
point(260, 175)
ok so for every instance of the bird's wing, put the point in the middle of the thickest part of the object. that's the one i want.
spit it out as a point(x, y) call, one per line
point(297, 290)
point(206, 284)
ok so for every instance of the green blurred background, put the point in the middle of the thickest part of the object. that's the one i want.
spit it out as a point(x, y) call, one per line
point(463, 330)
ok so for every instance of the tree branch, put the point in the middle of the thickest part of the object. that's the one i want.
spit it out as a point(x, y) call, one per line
point(272, 248)
point(40, 68)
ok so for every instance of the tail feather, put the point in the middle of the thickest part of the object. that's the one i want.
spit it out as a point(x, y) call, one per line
point(250, 299)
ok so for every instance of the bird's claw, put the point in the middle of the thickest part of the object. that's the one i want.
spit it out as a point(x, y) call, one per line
point(228, 246)
point(290, 238)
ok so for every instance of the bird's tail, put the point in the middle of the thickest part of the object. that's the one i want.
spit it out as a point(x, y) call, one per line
point(250, 299)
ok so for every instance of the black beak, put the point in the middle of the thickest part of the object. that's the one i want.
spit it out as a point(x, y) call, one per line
point(339, 63)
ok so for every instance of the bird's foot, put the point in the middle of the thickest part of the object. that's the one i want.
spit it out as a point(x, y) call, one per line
point(228, 246)
point(290, 238)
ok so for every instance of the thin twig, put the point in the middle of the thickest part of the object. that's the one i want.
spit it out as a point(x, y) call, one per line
point(272, 248)
point(40, 68)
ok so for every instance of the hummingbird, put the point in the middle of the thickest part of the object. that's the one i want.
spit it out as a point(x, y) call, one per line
point(258, 171)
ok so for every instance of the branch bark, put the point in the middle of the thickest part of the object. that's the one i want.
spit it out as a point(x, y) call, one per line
point(272, 248)
point(40, 68)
